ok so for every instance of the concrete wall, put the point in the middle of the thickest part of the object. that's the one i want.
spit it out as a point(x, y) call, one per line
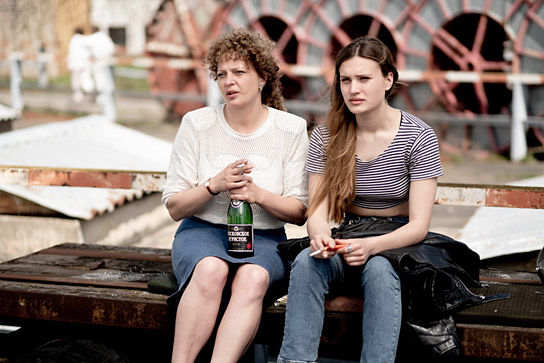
point(28, 26)
point(23, 235)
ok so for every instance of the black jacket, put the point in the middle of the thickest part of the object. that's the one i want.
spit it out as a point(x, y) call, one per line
point(434, 276)
point(437, 270)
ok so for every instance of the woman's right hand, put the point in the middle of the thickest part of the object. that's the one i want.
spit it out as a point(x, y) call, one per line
point(233, 176)
point(319, 242)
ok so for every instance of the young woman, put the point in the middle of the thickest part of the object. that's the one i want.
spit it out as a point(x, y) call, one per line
point(370, 162)
point(250, 129)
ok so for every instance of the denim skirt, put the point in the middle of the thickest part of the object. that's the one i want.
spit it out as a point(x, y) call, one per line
point(196, 239)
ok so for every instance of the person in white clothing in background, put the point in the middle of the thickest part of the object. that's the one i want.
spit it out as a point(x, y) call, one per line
point(102, 51)
point(79, 63)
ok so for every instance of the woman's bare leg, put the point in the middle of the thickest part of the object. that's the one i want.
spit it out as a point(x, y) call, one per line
point(243, 315)
point(198, 308)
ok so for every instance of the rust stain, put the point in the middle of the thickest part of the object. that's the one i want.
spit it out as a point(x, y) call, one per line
point(514, 198)
point(102, 180)
point(98, 313)
point(95, 179)
point(499, 342)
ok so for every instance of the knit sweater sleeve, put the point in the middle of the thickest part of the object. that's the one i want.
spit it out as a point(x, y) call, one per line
point(295, 177)
point(183, 168)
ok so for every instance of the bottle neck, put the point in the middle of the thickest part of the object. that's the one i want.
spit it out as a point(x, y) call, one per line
point(236, 203)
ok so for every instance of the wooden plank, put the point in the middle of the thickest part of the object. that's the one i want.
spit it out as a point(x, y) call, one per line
point(110, 249)
point(77, 264)
point(135, 256)
point(75, 281)
point(510, 277)
point(85, 268)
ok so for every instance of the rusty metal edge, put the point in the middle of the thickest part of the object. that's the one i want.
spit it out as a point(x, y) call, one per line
point(476, 340)
point(501, 342)
point(488, 195)
point(18, 303)
point(73, 177)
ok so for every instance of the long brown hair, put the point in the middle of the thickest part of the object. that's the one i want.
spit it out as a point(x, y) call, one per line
point(258, 52)
point(339, 180)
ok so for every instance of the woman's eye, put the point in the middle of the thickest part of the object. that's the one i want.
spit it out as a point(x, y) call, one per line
point(220, 75)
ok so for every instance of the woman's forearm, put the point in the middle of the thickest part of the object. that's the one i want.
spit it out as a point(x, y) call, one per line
point(188, 202)
point(318, 225)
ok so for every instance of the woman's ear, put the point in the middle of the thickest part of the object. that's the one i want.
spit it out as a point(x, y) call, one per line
point(389, 81)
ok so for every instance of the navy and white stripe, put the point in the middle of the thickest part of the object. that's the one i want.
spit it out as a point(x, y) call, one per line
point(384, 182)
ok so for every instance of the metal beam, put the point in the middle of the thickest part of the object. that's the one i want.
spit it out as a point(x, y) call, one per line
point(115, 179)
point(507, 196)
point(476, 195)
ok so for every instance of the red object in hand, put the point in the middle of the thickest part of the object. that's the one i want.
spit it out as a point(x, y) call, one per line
point(336, 247)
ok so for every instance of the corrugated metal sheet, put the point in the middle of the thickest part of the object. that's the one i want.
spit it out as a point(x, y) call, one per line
point(7, 113)
point(89, 142)
point(493, 231)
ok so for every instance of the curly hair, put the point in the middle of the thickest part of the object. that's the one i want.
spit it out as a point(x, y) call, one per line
point(339, 180)
point(257, 51)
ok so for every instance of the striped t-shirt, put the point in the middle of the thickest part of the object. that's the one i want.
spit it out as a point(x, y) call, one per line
point(384, 182)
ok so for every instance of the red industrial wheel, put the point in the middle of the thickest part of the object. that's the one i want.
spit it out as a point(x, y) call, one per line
point(180, 88)
point(473, 43)
point(333, 24)
point(491, 37)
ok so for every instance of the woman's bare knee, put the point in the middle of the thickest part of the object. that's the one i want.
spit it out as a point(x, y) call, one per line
point(252, 280)
point(210, 274)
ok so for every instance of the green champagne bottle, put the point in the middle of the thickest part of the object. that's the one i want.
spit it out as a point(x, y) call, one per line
point(240, 229)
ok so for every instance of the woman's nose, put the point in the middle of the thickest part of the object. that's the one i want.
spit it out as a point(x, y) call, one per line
point(229, 78)
point(354, 87)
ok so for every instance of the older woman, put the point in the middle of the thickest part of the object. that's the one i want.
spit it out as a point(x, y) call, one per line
point(251, 128)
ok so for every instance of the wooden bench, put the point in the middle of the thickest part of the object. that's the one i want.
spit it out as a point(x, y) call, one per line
point(102, 293)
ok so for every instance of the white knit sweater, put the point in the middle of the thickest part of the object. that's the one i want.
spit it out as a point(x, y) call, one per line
point(205, 144)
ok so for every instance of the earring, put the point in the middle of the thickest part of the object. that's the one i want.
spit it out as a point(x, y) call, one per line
point(261, 85)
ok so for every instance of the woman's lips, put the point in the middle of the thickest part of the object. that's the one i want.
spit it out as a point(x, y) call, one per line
point(356, 101)
point(231, 94)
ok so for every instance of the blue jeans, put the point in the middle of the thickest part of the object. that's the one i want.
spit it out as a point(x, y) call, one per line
point(308, 285)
